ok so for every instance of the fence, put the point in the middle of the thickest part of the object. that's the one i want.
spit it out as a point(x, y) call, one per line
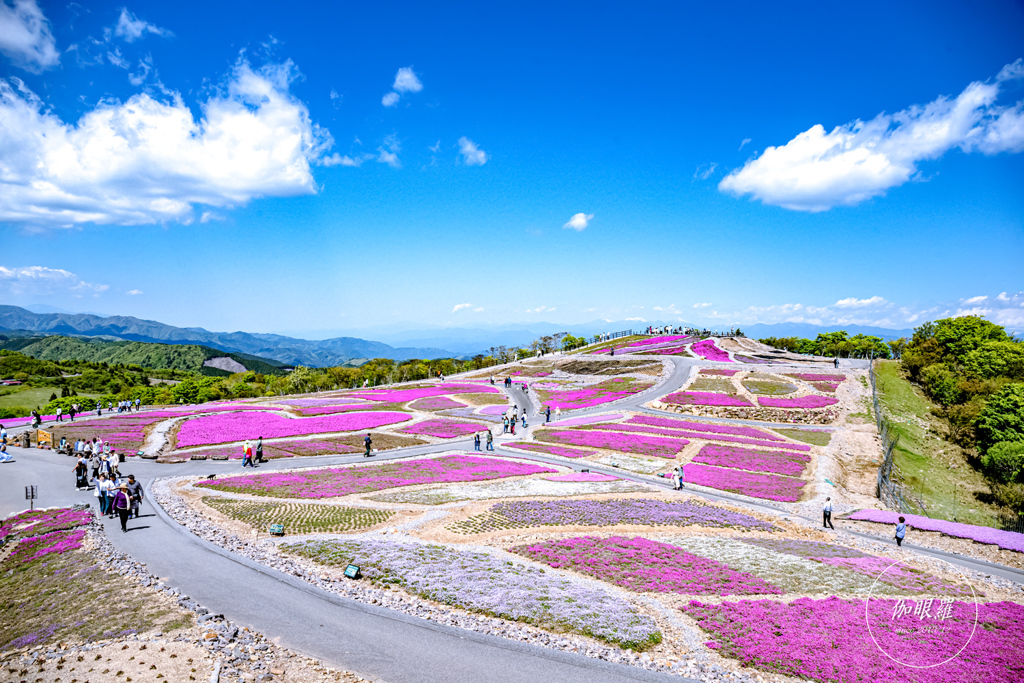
point(608, 337)
point(890, 488)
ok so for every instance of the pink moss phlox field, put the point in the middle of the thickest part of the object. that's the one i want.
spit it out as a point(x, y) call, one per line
point(403, 395)
point(330, 483)
point(898, 575)
point(317, 402)
point(597, 394)
point(707, 436)
point(37, 522)
point(767, 486)
point(550, 449)
point(643, 566)
point(33, 548)
point(443, 429)
point(658, 340)
point(734, 430)
point(707, 350)
point(435, 403)
point(494, 410)
point(654, 446)
point(776, 462)
point(581, 476)
point(121, 431)
point(585, 420)
point(212, 429)
point(810, 402)
point(811, 377)
point(284, 449)
point(829, 641)
point(340, 408)
point(665, 351)
point(705, 398)
point(1009, 540)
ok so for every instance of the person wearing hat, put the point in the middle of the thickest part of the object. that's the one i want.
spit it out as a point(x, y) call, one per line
point(122, 506)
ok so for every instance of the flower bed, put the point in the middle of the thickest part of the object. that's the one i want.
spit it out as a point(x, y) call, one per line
point(597, 394)
point(777, 462)
point(666, 351)
point(581, 476)
point(658, 340)
point(435, 403)
point(767, 486)
point(811, 436)
point(767, 387)
point(701, 398)
point(37, 522)
point(124, 432)
point(653, 446)
point(413, 393)
point(825, 387)
point(35, 547)
point(1008, 540)
point(707, 350)
point(810, 402)
point(718, 372)
point(211, 429)
point(494, 410)
point(644, 566)
point(299, 518)
point(482, 583)
point(639, 511)
point(811, 377)
point(709, 436)
point(443, 429)
point(585, 420)
point(696, 426)
point(828, 640)
point(317, 402)
point(550, 449)
point(751, 359)
point(330, 483)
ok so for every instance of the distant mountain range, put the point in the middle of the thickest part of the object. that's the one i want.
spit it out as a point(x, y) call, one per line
point(287, 350)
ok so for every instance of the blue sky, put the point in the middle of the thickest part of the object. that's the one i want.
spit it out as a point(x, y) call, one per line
point(347, 166)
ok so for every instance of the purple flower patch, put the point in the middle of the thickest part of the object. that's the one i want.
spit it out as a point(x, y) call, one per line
point(776, 462)
point(443, 429)
point(212, 429)
point(653, 446)
point(1009, 540)
point(767, 486)
point(435, 403)
point(705, 398)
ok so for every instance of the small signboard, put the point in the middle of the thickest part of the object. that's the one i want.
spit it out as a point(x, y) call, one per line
point(44, 438)
point(276, 529)
point(352, 571)
point(31, 493)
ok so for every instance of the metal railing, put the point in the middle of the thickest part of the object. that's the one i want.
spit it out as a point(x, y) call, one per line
point(597, 339)
point(890, 487)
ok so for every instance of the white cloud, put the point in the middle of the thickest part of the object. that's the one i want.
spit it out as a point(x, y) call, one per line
point(459, 307)
point(406, 80)
point(853, 302)
point(345, 160)
point(40, 280)
point(702, 305)
point(435, 148)
point(974, 300)
point(636, 320)
point(148, 160)
point(390, 99)
point(114, 57)
point(471, 154)
point(705, 171)
point(541, 309)
point(746, 141)
point(816, 171)
point(25, 36)
point(208, 216)
point(131, 28)
point(134, 292)
point(579, 221)
point(668, 309)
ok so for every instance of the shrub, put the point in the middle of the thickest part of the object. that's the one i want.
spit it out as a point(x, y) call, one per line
point(1002, 418)
point(1005, 460)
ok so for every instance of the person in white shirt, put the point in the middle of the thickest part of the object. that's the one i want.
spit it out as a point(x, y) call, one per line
point(826, 515)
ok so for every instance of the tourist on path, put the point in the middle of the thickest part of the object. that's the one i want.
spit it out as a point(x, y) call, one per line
point(476, 441)
point(122, 506)
point(247, 454)
point(513, 427)
point(108, 494)
point(138, 404)
point(59, 415)
point(901, 531)
point(826, 514)
point(71, 413)
point(547, 414)
point(81, 470)
point(100, 492)
point(3, 435)
point(504, 424)
point(259, 450)
point(134, 496)
point(368, 442)
point(490, 440)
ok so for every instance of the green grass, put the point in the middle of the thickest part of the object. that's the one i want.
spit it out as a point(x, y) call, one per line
point(299, 518)
point(719, 384)
point(32, 397)
point(925, 456)
point(815, 438)
point(620, 341)
point(768, 388)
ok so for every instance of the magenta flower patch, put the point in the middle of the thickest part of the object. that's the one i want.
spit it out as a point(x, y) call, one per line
point(330, 483)
point(598, 394)
point(443, 429)
point(585, 420)
point(706, 349)
point(709, 436)
point(767, 486)
point(411, 394)
point(645, 566)
point(33, 548)
point(658, 447)
point(212, 429)
point(733, 430)
point(435, 403)
point(705, 398)
point(803, 402)
point(776, 462)
point(550, 449)
point(38, 522)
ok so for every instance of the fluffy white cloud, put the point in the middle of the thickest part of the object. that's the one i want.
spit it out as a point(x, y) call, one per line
point(853, 302)
point(390, 99)
point(134, 292)
point(130, 28)
point(579, 221)
point(149, 160)
point(460, 307)
point(974, 300)
point(40, 280)
point(541, 309)
point(25, 35)
point(471, 154)
point(705, 305)
point(406, 80)
point(816, 171)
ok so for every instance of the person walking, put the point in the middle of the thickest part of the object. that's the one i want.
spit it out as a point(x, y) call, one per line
point(524, 418)
point(134, 496)
point(60, 414)
point(368, 442)
point(504, 424)
point(513, 430)
point(490, 440)
point(547, 414)
point(901, 531)
point(138, 404)
point(81, 470)
point(71, 413)
point(259, 450)
point(826, 514)
point(100, 493)
point(675, 479)
point(246, 454)
point(3, 435)
point(122, 506)
point(108, 494)
point(476, 441)
point(836, 362)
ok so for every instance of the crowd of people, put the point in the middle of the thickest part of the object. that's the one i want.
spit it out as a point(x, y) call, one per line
point(96, 469)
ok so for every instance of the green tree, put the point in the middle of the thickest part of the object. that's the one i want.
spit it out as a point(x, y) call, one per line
point(1002, 418)
point(996, 359)
point(1004, 461)
point(941, 384)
